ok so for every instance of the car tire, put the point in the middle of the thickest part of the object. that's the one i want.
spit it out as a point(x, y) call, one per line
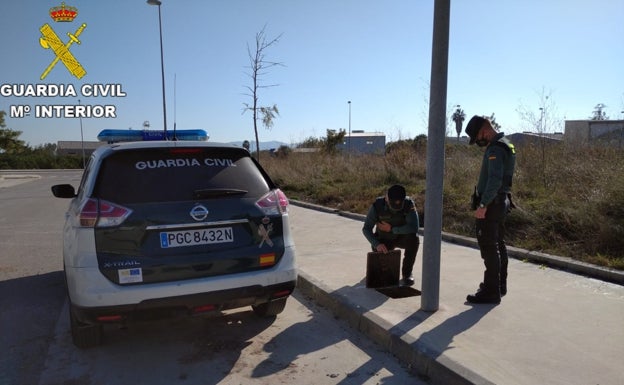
point(84, 335)
point(269, 309)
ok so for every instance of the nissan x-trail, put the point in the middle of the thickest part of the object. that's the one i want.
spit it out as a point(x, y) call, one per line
point(167, 227)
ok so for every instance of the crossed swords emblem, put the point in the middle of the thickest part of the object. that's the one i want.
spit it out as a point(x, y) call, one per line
point(264, 232)
point(50, 40)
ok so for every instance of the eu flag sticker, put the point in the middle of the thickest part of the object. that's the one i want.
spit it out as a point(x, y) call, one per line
point(163, 240)
point(134, 275)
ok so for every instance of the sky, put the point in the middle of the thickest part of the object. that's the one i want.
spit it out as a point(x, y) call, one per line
point(506, 58)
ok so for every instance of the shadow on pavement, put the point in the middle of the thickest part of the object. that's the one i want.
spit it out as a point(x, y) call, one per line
point(29, 309)
point(300, 342)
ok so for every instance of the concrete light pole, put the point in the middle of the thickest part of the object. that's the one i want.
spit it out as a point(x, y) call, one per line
point(430, 298)
point(82, 142)
point(349, 145)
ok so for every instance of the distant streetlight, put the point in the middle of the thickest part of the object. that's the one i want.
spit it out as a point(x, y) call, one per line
point(162, 65)
point(622, 131)
point(541, 124)
point(82, 140)
point(349, 144)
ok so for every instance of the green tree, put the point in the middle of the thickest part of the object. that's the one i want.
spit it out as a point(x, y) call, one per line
point(47, 149)
point(333, 139)
point(311, 142)
point(268, 114)
point(9, 141)
point(458, 117)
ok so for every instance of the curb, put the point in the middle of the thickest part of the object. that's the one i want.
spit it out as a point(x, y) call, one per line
point(19, 176)
point(418, 357)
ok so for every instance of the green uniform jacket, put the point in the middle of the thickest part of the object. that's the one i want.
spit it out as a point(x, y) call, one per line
point(403, 222)
point(499, 160)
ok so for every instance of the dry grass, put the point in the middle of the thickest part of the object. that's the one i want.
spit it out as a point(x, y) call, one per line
point(570, 200)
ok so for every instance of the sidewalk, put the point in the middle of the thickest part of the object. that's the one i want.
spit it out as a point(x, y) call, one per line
point(553, 327)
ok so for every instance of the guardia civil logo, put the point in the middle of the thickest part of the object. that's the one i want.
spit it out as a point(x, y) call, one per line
point(61, 50)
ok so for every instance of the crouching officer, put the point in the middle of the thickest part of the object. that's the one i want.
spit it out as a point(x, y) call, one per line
point(492, 202)
point(396, 223)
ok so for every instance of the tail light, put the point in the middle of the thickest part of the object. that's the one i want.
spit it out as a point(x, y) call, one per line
point(203, 309)
point(100, 213)
point(110, 318)
point(281, 294)
point(273, 203)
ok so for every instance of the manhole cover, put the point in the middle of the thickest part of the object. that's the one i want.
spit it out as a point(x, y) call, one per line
point(398, 291)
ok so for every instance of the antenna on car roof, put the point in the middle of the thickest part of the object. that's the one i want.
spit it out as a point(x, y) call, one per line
point(174, 107)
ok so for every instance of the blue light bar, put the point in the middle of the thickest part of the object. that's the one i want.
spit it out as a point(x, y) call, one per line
point(113, 136)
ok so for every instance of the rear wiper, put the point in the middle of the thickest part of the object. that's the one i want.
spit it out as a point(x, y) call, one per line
point(217, 193)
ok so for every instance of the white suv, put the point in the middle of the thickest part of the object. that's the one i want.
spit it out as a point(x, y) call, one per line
point(163, 227)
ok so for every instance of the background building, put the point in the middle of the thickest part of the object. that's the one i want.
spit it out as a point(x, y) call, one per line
point(580, 132)
point(363, 143)
point(75, 147)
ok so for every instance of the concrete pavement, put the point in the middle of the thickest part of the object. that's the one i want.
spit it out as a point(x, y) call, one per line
point(553, 326)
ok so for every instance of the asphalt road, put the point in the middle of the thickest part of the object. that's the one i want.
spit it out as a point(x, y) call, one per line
point(304, 345)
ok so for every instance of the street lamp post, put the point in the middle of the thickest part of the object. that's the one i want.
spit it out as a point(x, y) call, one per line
point(162, 65)
point(622, 131)
point(82, 141)
point(349, 146)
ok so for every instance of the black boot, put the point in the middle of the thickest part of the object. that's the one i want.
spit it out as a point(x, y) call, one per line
point(408, 280)
point(485, 295)
point(490, 291)
point(503, 287)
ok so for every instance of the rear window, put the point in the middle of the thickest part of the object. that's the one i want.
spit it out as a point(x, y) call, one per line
point(178, 174)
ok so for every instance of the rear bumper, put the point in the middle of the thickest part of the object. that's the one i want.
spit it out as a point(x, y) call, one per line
point(88, 288)
point(185, 304)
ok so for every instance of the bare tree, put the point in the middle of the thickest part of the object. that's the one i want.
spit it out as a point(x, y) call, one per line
point(259, 66)
point(493, 122)
point(542, 120)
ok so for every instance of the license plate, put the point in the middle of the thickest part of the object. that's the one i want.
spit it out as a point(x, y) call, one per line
point(196, 237)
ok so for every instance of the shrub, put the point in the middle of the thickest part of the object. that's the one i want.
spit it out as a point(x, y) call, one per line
point(570, 201)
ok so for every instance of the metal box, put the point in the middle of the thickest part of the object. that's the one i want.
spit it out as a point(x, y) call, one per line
point(383, 269)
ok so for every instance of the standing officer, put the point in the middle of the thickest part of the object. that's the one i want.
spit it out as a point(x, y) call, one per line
point(492, 202)
point(396, 221)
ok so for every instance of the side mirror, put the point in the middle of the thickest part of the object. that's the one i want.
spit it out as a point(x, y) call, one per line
point(63, 191)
